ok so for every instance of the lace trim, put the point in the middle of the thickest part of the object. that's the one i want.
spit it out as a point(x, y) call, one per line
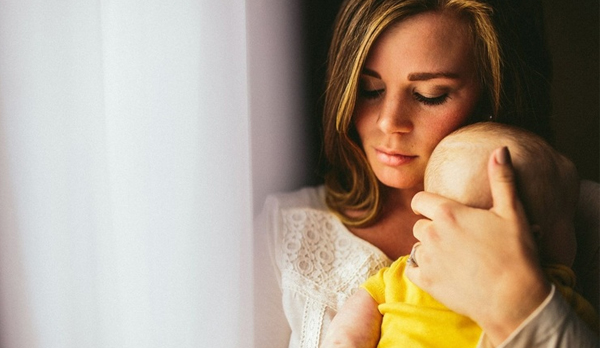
point(323, 262)
point(315, 311)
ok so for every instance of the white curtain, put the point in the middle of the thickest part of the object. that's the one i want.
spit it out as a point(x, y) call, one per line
point(131, 135)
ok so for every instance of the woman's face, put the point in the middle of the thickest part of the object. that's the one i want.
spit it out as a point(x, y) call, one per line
point(419, 84)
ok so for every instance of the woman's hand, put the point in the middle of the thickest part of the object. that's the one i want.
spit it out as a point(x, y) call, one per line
point(480, 263)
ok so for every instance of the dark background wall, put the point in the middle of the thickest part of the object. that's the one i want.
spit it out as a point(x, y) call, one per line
point(572, 33)
point(572, 29)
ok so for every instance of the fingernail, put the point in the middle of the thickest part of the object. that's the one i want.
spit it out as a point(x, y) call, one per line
point(503, 156)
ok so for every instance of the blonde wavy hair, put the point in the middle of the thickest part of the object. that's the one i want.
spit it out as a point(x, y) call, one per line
point(350, 183)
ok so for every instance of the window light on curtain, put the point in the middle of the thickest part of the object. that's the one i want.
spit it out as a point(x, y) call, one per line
point(125, 169)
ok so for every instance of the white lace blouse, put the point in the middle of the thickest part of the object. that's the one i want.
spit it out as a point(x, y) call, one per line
point(307, 263)
point(317, 262)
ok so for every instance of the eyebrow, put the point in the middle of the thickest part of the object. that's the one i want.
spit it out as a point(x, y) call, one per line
point(420, 76)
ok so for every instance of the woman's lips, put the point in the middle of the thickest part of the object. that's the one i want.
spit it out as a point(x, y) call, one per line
point(392, 159)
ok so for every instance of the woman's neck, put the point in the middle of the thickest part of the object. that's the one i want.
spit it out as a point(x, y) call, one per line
point(392, 231)
point(396, 200)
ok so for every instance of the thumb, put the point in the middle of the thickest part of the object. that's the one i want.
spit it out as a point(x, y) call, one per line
point(503, 184)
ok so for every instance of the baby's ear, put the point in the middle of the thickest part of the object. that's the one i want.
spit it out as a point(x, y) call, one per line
point(536, 230)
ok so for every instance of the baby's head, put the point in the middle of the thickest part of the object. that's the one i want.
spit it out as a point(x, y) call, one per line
point(547, 182)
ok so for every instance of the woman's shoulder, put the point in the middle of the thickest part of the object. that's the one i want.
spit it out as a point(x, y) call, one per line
point(310, 245)
point(282, 211)
point(310, 197)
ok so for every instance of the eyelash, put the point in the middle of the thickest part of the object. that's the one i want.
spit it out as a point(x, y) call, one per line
point(371, 94)
point(431, 101)
point(376, 93)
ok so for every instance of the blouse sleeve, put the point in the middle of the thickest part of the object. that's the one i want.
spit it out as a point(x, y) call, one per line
point(553, 324)
point(271, 329)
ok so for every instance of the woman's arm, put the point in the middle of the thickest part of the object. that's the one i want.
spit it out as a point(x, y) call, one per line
point(357, 324)
point(494, 276)
point(553, 324)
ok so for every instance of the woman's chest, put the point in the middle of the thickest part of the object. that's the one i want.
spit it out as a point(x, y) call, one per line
point(392, 235)
point(322, 259)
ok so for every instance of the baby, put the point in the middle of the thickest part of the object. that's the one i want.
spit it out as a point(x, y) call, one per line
point(390, 311)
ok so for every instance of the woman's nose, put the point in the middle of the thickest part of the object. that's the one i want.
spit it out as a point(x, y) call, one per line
point(395, 116)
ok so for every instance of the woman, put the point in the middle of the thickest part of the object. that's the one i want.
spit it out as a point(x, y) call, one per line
point(401, 76)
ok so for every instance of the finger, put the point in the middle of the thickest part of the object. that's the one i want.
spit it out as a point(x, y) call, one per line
point(412, 258)
point(416, 203)
point(502, 183)
point(414, 274)
point(420, 228)
point(429, 204)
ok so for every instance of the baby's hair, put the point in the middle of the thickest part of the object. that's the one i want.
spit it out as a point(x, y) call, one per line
point(547, 182)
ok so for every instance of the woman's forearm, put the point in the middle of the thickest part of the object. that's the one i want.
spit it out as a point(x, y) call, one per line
point(552, 325)
point(512, 304)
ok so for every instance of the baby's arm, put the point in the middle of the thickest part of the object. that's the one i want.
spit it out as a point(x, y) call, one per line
point(356, 325)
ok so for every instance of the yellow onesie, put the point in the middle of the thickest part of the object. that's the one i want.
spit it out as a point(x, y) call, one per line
point(412, 318)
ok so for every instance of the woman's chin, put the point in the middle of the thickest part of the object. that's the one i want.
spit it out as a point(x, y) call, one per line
point(404, 184)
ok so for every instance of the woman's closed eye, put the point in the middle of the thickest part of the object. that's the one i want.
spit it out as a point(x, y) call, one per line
point(371, 93)
point(431, 101)
point(370, 87)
